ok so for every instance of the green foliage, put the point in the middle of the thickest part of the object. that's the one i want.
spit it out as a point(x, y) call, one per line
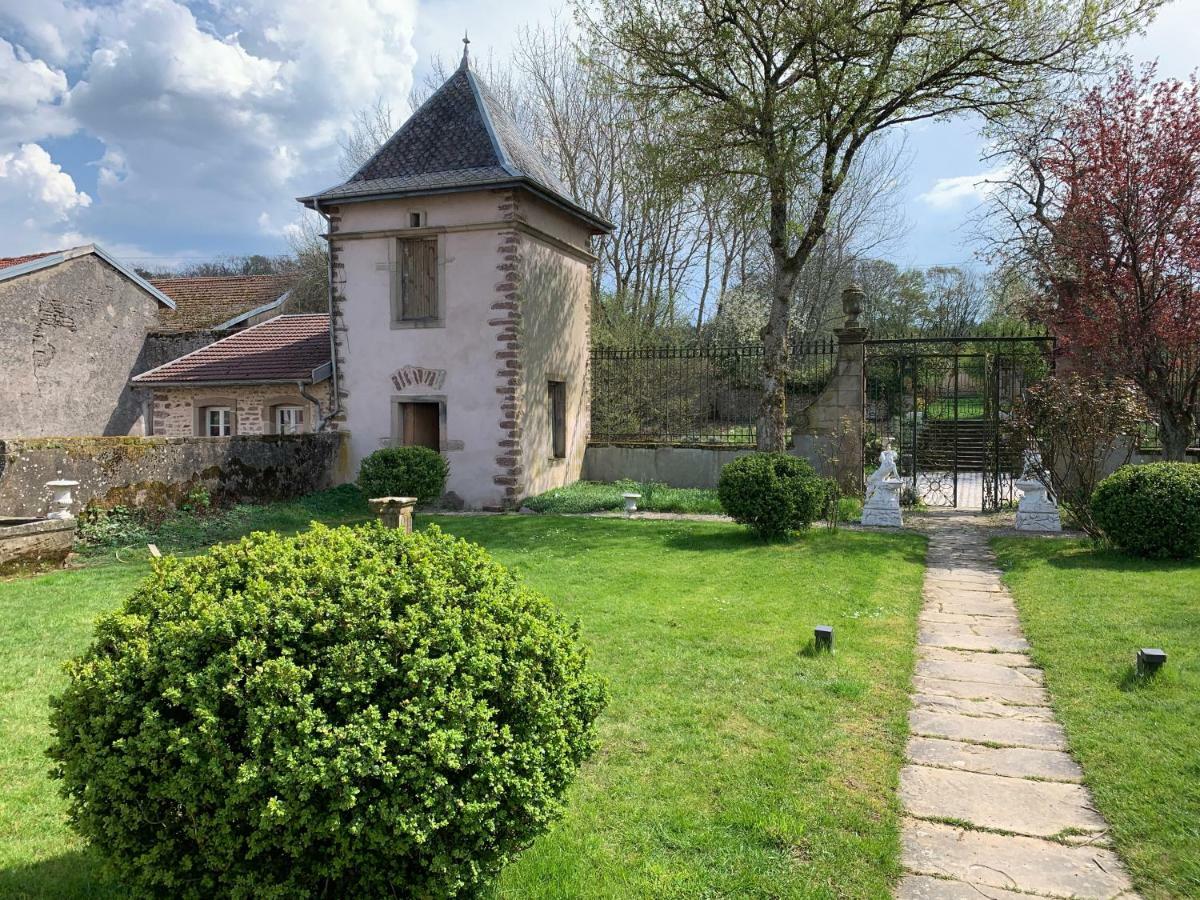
point(197, 500)
point(404, 472)
point(773, 493)
point(1151, 510)
point(1078, 424)
point(596, 496)
point(115, 527)
point(103, 530)
point(336, 714)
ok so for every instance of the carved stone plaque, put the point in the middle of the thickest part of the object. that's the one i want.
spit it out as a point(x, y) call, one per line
point(418, 377)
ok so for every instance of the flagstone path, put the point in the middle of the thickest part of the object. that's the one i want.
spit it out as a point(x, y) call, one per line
point(994, 805)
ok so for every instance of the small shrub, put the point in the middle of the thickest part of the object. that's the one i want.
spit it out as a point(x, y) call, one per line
point(197, 500)
point(1151, 510)
point(1079, 424)
point(115, 527)
point(404, 472)
point(351, 712)
point(773, 493)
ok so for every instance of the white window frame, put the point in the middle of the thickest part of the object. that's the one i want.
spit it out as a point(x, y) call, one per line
point(296, 412)
point(224, 423)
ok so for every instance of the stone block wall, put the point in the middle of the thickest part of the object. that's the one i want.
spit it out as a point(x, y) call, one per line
point(73, 335)
point(163, 347)
point(159, 472)
point(175, 409)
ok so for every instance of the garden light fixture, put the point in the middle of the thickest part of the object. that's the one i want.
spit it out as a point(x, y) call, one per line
point(1150, 660)
point(823, 637)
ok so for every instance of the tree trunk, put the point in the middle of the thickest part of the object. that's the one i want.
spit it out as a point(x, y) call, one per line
point(1176, 429)
point(772, 434)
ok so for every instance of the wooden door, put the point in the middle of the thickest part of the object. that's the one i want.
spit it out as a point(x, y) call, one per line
point(421, 423)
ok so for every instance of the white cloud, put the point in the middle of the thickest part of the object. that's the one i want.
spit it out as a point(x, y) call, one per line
point(31, 173)
point(30, 91)
point(212, 113)
point(25, 82)
point(44, 198)
point(951, 193)
point(53, 29)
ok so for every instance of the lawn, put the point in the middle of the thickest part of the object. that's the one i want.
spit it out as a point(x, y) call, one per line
point(1086, 612)
point(733, 762)
point(968, 407)
point(598, 496)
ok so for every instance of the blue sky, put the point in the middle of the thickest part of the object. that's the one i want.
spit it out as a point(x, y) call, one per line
point(176, 130)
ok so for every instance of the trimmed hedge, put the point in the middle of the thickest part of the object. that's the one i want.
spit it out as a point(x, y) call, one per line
point(404, 472)
point(773, 493)
point(1151, 510)
point(351, 712)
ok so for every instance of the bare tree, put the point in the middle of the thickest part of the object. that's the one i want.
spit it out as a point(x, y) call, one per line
point(310, 291)
point(369, 130)
point(789, 93)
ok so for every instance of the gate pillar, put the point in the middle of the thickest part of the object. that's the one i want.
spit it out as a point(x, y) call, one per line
point(830, 432)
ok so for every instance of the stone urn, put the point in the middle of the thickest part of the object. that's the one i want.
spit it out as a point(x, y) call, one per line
point(61, 503)
point(852, 304)
point(631, 499)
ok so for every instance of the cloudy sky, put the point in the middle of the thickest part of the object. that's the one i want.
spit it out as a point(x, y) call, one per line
point(179, 130)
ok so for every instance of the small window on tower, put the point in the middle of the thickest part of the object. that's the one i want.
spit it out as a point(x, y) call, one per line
point(558, 418)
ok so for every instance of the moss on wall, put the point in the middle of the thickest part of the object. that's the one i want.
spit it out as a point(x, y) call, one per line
point(158, 473)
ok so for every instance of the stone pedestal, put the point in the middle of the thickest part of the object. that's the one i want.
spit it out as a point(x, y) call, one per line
point(394, 512)
point(883, 505)
point(1035, 510)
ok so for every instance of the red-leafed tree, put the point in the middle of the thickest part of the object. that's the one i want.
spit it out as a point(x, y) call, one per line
point(1114, 233)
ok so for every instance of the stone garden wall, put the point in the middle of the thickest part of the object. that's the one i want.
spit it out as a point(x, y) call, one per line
point(158, 472)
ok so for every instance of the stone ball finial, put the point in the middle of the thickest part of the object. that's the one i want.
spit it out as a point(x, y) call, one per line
point(852, 303)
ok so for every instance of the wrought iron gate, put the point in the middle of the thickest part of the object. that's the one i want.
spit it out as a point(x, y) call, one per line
point(944, 404)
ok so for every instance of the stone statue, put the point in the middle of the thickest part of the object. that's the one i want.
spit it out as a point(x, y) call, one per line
point(887, 470)
point(1035, 510)
point(882, 504)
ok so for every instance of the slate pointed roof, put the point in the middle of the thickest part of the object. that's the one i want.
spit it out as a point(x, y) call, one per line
point(460, 139)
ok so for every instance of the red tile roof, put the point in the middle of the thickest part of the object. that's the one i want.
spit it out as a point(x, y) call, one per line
point(285, 348)
point(202, 303)
point(6, 261)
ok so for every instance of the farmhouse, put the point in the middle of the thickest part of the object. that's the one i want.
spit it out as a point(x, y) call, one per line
point(270, 378)
point(461, 276)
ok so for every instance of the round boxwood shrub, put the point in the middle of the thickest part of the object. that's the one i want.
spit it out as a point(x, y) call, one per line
point(772, 493)
point(1151, 510)
point(351, 712)
point(404, 472)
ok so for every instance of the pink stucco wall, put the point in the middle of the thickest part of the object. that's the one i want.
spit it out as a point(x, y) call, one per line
point(514, 310)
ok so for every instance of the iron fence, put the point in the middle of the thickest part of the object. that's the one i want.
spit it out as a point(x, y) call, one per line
point(696, 395)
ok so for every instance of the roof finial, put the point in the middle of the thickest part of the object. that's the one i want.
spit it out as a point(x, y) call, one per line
point(466, 51)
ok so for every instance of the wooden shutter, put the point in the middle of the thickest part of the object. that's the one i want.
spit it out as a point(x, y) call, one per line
point(558, 417)
point(416, 279)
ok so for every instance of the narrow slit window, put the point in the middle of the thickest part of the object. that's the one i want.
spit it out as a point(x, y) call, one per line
point(558, 418)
